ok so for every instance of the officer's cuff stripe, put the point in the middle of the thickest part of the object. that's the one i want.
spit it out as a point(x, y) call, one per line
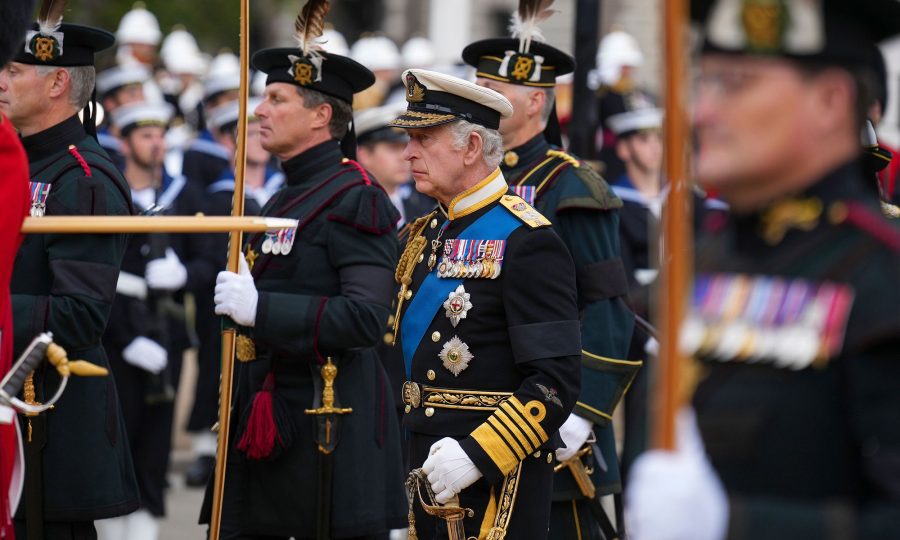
point(495, 448)
point(507, 437)
point(516, 406)
point(504, 420)
point(522, 424)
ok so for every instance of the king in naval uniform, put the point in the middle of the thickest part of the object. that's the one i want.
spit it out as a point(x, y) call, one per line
point(487, 320)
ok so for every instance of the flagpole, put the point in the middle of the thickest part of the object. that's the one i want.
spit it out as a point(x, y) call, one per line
point(677, 245)
point(229, 333)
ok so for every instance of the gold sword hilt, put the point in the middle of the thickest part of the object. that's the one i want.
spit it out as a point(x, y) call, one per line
point(65, 367)
point(329, 374)
point(579, 472)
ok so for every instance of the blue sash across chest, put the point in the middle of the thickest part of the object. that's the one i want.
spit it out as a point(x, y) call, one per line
point(496, 224)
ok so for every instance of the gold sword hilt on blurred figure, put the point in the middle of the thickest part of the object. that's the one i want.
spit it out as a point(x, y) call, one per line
point(65, 367)
point(580, 473)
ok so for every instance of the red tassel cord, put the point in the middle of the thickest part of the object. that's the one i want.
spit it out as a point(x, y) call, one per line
point(267, 424)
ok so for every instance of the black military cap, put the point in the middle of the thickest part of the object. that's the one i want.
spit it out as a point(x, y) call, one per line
point(68, 45)
point(331, 74)
point(507, 60)
point(824, 32)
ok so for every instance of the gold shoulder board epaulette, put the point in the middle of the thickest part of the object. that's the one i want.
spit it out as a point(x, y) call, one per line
point(563, 156)
point(524, 211)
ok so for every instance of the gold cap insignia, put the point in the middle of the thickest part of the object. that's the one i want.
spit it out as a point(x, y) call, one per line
point(415, 91)
point(45, 48)
point(304, 72)
point(765, 23)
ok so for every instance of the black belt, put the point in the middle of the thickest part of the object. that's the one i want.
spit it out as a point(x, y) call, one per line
point(416, 395)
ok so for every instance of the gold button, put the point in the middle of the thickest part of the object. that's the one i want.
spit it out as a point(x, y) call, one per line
point(408, 295)
point(434, 223)
point(550, 457)
point(537, 454)
point(421, 257)
point(388, 338)
point(429, 412)
point(407, 409)
point(435, 336)
point(431, 375)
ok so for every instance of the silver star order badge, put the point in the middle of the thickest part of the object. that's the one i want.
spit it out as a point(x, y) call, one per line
point(457, 305)
point(455, 355)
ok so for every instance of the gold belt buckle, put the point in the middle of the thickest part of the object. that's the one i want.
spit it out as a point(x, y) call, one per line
point(412, 394)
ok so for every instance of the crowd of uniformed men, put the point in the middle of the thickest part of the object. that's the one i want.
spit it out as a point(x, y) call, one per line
point(463, 304)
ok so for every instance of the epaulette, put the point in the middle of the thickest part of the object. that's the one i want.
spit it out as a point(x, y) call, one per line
point(524, 211)
point(868, 221)
point(563, 156)
point(599, 195)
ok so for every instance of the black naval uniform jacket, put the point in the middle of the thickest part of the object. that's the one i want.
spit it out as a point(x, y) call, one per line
point(585, 214)
point(812, 452)
point(522, 331)
point(329, 297)
point(66, 283)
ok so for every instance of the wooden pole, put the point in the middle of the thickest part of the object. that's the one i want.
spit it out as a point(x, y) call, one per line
point(151, 224)
point(229, 333)
point(677, 248)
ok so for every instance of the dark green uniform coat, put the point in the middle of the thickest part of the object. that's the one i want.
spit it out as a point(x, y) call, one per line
point(812, 453)
point(66, 284)
point(584, 212)
point(329, 297)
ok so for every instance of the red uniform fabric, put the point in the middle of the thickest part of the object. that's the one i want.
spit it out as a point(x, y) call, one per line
point(888, 176)
point(14, 204)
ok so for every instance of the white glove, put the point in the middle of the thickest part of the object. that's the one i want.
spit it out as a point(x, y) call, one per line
point(449, 469)
point(574, 431)
point(166, 274)
point(236, 295)
point(146, 354)
point(676, 495)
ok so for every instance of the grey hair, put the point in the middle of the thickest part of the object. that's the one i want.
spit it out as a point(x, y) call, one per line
point(341, 111)
point(492, 149)
point(549, 103)
point(81, 82)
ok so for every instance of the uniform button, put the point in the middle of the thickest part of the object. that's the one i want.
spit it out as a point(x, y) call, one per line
point(388, 338)
point(431, 375)
point(408, 295)
point(407, 409)
point(434, 223)
point(549, 457)
point(429, 412)
point(421, 257)
point(537, 454)
point(435, 336)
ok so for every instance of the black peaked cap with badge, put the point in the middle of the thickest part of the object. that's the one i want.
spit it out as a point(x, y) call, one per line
point(331, 74)
point(505, 60)
point(69, 45)
point(823, 32)
point(435, 98)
